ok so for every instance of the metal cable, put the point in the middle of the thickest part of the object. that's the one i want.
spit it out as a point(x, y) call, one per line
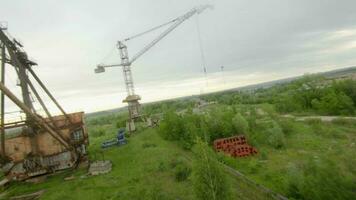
point(150, 30)
point(203, 60)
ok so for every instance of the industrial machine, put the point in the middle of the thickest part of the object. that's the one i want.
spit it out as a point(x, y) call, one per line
point(37, 144)
point(132, 98)
point(118, 141)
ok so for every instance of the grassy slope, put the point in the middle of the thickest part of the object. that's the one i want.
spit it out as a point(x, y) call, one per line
point(141, 170)
point(136, 174)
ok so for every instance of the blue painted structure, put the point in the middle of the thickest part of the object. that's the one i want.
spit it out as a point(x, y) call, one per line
point(119, 140)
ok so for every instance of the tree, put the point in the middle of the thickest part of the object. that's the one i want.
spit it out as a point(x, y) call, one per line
point(171, 126)
point(276, 136)
point(240, 124)
point(334, 103)
point(209, 180)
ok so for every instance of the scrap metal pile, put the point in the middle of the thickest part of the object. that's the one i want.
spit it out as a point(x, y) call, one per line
point(235, 146)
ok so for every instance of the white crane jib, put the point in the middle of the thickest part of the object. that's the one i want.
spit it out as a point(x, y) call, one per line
point(132, 98)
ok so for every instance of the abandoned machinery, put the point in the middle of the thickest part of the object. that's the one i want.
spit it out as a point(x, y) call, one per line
point(38, 144)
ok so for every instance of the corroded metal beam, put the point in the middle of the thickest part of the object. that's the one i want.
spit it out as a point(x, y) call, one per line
point(36, 118)
point(48, 93)
point(2, 99)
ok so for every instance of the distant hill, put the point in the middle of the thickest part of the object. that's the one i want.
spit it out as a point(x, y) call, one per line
point(333, 74)
point(106, 112)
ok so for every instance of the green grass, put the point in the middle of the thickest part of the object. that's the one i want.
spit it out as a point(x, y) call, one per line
point(140, 171)
point(145, 167)
point(305, 141)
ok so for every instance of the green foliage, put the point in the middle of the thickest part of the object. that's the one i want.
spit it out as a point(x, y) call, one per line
point(288, 126)
point(276, 136)
point(121, 123)
point(334, 103)
point(287, 103)
point(344, 122)
point(171, 126)
point(97, 132)
point(182, 171)
point(209, 180)
point(219, 123)
point(176, 128)
point(164, 106)
point(137, 173)
point(240, 124)
point(321, 179)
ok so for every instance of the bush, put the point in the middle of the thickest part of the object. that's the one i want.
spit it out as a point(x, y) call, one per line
point(334, 103)
point(97, 132)
point(182, 171)
point(276, 136)
point(181, 129)
point(344, 121)
point(209, 180)
point(313, 121)
point(287, 125)
point(121, 123)
point(319, 179)
point(219, 123)
point(240, 124)
point(171, 126)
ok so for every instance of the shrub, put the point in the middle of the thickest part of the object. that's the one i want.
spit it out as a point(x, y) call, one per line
point(97, 132)
point(240, 124)
point(171, 126)
point(276, 136)
point(320, 179)
point(209, 180)
point(182, 171)
point(161, 166)
point(334, 103)
point(121, 123)
point(344, 121)
point(148, 145)
point(287, 125)
point(313, 121)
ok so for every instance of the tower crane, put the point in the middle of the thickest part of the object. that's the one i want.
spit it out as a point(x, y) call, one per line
point(132, 98)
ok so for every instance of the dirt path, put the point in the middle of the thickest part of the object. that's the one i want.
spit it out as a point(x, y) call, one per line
point(322, 118)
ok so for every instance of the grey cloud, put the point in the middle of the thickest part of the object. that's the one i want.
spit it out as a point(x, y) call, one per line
point(281, 37)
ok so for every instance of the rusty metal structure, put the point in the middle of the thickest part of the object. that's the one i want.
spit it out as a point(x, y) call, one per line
point(235, 146)
point(38, 144)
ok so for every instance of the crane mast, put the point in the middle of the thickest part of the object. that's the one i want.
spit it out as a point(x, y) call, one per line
point(132, 98)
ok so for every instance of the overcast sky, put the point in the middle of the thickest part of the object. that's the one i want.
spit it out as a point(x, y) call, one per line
point(255, 41)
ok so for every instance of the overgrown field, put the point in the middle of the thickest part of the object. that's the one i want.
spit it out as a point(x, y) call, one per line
point(298, 158)
point(148, 167)
point(301, 159)
point(142, 169)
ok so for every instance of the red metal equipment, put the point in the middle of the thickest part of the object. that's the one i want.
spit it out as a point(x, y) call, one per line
point(235, 146)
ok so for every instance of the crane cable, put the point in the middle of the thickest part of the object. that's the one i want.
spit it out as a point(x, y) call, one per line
point(150, 30)
point(139, 35)
point(202, 54)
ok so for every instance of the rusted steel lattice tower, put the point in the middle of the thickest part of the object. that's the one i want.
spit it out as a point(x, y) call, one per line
point(132, 99)
point(38, 144)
